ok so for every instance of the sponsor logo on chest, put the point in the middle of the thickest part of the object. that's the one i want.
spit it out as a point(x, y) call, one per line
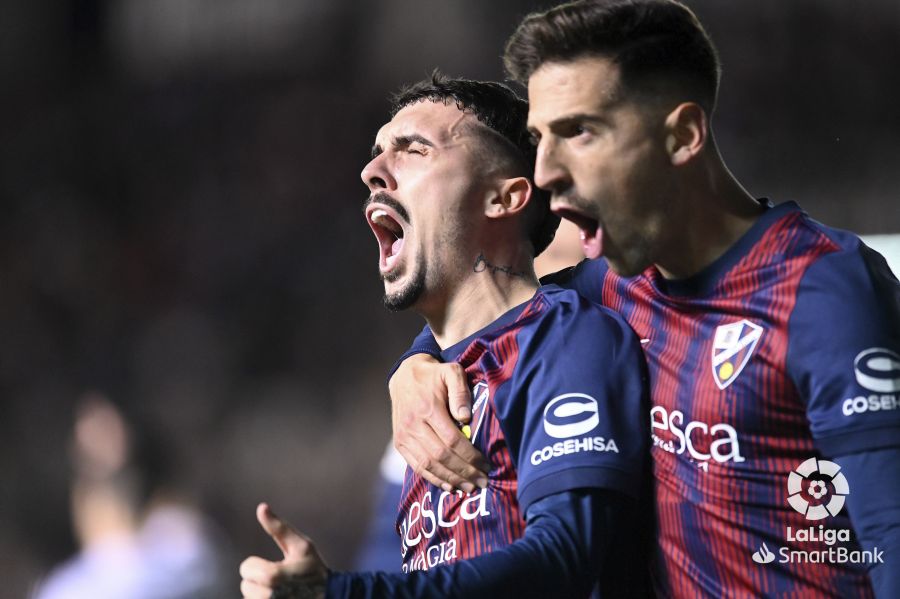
point(693, 436)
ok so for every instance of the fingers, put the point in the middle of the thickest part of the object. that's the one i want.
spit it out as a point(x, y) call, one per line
point(463, 459)
point(417, 457)
point(302, 564)
point(291, 542)
point(430, 457)
point(424, 432)
point(459, 398)
point(252, 590)
point(260, 572)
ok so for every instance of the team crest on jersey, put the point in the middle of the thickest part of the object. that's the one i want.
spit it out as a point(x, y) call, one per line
point(733, 345)
point(480, 395)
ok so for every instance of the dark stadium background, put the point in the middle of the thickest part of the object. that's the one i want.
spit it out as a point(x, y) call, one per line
point(180, 224)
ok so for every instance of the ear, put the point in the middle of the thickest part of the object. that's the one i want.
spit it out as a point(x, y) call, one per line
point(509, 199)
point(687, 131)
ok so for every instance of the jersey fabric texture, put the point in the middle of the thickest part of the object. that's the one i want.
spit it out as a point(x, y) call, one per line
point(786, 348)
point(558, 397)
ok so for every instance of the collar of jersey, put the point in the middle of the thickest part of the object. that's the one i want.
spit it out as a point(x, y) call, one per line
point(507, 318)
point(704, 282)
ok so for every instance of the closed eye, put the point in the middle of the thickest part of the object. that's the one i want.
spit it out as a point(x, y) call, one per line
point(412, 144)
point(417, 148)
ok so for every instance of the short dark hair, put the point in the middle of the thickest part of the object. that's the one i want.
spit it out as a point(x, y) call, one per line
point(653, 42)
point(500, 109)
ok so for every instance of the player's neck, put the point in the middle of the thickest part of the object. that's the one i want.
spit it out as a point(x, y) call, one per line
point(493, 285)
point(715, 213)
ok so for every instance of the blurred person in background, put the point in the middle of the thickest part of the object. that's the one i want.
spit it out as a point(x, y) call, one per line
point(378, 550)
point(138, 539)
point(458, 223)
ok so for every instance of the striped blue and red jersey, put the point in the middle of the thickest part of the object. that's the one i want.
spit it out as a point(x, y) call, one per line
point(779, 357)
point(558, 388)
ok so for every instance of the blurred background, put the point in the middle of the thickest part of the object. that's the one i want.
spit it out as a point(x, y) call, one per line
point(181, 231)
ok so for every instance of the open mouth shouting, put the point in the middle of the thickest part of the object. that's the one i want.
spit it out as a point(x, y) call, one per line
point(589, 228)
point(389, 224)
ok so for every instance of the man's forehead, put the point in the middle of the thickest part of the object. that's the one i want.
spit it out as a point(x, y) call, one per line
point(441, 122)
point(583, 85)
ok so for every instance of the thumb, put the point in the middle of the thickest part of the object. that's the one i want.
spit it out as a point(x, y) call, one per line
point(459, 398)
point(291, 542)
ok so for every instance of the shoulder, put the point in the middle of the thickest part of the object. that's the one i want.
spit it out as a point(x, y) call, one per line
point(568, 308)
point(825, 261)
point(836, 248)
point(849, 269)
point(586, 278)
point(564, 318)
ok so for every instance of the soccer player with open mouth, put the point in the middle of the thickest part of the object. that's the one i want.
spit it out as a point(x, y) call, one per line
point(558, 381)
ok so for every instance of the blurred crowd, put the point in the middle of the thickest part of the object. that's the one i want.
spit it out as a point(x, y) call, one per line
point(183, 253)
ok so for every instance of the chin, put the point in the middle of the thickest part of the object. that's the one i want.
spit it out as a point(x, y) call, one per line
point(403, 297)
point(627, 269)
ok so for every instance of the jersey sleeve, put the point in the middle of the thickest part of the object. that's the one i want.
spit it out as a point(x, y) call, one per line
point(574, 416)
point(586, 278)
point(424, 343)
point(844, 351)
point(874, 508)
point(571, 540)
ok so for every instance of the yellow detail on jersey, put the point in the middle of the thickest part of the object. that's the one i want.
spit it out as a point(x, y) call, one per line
point(726, 370)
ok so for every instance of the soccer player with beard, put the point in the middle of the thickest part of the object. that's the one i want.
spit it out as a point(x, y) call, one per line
point(773, 342)
point(558, 380)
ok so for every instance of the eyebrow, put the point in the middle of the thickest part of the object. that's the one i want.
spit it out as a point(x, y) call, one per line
point(570, 119)
point(402, 141)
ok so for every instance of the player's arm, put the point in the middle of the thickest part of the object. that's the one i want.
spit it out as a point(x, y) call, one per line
point(573, 417)
point(874, 481)
point(425, 434)
point(567, 545)
point(844, 356)
point(427, 395)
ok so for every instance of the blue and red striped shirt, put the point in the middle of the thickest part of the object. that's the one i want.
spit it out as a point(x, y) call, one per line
point(558, 389)
point(786, 348)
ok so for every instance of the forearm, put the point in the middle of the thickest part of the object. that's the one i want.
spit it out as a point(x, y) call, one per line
point(424, 343)
point(874, 506)
point(566, 540)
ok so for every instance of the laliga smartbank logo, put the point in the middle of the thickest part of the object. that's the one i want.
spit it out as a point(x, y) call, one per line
point(817, 489)
point(813, 474)
point(763, 556)
point(568, 416)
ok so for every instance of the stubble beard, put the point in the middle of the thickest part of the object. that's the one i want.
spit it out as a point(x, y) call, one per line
point(635, 255)
point(451, 236)
point(408, 294)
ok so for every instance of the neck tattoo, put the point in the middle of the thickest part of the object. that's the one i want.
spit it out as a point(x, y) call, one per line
point(481, 265)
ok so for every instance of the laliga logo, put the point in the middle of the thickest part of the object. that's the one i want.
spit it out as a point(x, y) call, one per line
point(570, 415)
point(817, 489)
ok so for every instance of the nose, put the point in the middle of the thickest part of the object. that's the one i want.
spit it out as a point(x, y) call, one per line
point(377, 175)
point(549, 171)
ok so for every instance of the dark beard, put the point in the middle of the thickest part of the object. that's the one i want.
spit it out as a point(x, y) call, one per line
point(408, 295)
